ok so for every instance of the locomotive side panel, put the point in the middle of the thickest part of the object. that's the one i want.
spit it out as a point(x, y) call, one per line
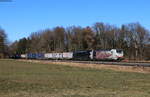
point(103, 55)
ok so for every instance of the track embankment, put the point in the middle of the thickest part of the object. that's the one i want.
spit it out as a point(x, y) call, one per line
point(116, 67)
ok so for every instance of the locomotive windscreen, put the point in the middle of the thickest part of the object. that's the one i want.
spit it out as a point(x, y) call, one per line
point(119, 51)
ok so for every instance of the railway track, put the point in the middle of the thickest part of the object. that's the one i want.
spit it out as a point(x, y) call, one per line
point(142, 64)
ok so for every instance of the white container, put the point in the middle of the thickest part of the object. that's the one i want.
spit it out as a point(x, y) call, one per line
point(57, 55)
point(48, 55)
point(67, 55)
point(23, 56)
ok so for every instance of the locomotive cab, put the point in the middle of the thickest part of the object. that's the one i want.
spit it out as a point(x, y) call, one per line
point(119, 54)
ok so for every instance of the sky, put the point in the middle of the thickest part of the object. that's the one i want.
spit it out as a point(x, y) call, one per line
point(19, 18)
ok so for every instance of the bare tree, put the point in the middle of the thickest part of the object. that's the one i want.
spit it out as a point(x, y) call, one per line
point(132, 38)
point(2, 43)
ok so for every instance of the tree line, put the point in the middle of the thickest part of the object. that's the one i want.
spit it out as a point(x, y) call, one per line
point(133, 38)
point(3, 44)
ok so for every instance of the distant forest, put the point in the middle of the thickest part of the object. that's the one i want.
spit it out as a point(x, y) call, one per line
point(133, 38)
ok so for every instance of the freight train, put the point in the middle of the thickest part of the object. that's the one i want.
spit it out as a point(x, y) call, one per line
point(96, 55)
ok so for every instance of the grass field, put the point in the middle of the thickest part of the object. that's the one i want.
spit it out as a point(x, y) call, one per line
point(24, 79)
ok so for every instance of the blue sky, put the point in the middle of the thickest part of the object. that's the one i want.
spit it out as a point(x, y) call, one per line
point(21, 17)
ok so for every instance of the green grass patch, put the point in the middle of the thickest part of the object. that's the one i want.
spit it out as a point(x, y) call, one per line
point(24, 79)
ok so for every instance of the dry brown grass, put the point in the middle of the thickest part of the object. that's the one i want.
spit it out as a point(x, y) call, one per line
point(32, 78)
point(139, 69)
